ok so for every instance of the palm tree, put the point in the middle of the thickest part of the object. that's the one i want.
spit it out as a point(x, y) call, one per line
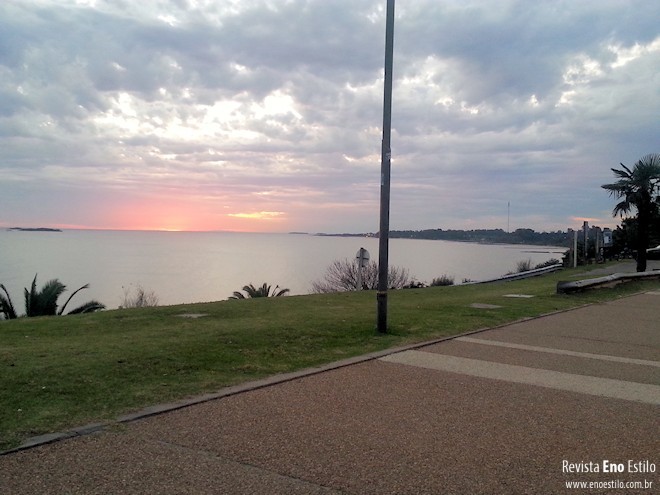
point(264, 291)
point(44, 302)
point(637, 189)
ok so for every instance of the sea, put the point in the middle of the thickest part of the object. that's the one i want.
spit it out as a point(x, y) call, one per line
point(189, 267)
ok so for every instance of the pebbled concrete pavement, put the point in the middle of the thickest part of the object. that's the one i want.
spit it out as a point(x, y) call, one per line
point(394, 425)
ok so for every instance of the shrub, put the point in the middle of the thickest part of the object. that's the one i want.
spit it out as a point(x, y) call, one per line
point(442, 281)
point(545, 264)
point(342, 275)
point(523, 266)
point(264, 291)
point(526, 265)
point(141, 298)
point(414, 284)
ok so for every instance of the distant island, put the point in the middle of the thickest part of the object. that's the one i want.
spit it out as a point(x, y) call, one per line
point(34, 229)
point(484, 236)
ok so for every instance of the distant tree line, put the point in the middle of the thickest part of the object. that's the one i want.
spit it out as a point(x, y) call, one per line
point(499, 236)
point(488, 236)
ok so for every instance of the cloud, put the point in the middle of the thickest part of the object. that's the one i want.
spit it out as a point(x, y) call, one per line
point(261, 106)
point(258, 215)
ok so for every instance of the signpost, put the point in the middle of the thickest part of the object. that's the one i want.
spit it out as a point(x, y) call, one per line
point(362, 258)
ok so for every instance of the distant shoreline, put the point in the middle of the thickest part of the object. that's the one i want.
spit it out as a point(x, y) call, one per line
point(479, 236)
point(34, 229)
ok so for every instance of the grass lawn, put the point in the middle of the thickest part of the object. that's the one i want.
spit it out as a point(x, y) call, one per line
point(62, 372)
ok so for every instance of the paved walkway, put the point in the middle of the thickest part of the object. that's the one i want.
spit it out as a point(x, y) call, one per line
point(624, 266)
point(524, 408)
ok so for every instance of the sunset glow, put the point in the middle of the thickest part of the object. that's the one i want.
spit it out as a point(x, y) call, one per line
point(187, 215)
point(259, 215)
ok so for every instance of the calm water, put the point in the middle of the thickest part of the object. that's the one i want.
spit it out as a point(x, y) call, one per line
point(185, 267)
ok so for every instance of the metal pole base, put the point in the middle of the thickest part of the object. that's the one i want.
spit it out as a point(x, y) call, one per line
point(381, 298)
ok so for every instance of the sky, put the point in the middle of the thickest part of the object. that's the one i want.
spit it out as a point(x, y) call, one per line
point(266, 115)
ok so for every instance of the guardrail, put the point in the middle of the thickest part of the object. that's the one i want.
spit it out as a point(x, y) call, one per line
point(607, 281)
point(518, 276)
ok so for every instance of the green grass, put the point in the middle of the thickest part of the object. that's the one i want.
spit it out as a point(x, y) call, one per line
point(61, 372)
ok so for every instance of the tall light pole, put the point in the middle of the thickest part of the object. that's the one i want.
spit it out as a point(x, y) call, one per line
point(385, 162)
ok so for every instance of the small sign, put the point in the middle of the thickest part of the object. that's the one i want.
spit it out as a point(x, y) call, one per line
point(362, 257)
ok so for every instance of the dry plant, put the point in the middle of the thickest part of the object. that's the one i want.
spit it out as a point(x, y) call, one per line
point(342, 275)
point(141, 299)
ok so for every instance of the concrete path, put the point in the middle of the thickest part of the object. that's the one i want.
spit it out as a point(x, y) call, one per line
point(624, 266)
point(521, 409)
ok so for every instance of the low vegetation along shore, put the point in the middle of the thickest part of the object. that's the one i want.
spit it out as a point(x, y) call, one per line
point(59, 373)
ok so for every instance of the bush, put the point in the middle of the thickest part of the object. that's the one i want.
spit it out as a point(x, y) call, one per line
point(264, 291)
point(442, 281)
point(526, 265)
point(141, 298)
point(545, 264)
point(523, 266)
point(414, 284)
point(342, 275)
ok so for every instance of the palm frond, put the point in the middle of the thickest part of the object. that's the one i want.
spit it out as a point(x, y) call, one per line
point(264, 290)
point(88, 307)
point(622, 174)
point(251, 290)
point(281, 292)
point(622, 208)
point(49, 295)
point(30, 296)
point(616, 190)
point(86, 286)
point(6, 306)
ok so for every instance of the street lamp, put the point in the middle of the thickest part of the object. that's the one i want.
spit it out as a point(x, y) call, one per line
point(385, 162)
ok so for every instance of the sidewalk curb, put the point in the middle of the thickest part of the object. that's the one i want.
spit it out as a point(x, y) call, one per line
point(569, 287)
